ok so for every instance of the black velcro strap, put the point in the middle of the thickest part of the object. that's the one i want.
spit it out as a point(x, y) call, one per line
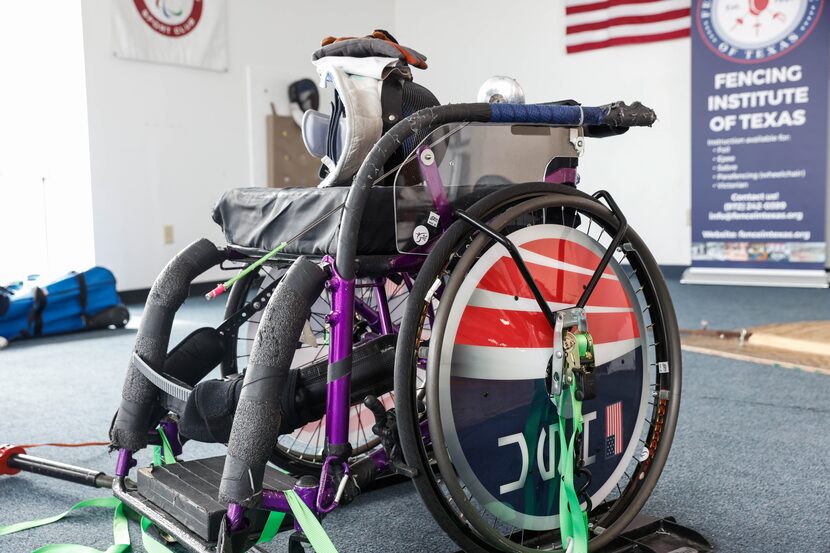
point(391, 101)
point(39, 300)
point(5, 300)
point(332, 139)
point(82, 295)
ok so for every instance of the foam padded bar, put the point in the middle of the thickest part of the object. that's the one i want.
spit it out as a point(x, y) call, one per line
point(256, 423)
point(139, 398)
point(549, 114)
point(617, 114)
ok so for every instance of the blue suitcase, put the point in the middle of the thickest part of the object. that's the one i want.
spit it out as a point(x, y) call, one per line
point(78, 301)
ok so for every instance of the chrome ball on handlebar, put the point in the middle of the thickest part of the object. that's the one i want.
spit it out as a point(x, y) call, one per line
point(501, 90)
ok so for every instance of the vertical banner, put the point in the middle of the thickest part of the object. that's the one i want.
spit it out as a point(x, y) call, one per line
point(760, 72)
point(180, 32)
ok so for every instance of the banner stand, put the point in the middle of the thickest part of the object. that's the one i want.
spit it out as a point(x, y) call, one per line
point(760, 97)
point(795, 278)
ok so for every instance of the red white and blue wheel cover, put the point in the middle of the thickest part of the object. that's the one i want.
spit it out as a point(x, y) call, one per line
point(498, 422)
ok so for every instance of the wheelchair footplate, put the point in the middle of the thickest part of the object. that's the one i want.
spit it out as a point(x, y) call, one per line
point(180, 499)
point(658, 535)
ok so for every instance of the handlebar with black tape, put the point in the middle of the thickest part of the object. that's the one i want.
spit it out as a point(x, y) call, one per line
point(617, 115)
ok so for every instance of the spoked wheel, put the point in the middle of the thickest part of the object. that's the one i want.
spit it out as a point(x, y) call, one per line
point(488, 467)
point(301, 452)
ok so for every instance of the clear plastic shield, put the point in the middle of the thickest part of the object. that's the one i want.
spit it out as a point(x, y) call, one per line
point(460, 163)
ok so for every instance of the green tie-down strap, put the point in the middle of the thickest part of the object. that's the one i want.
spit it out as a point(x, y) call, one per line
point(120, 533)
point(312, 528)
point(164, 455)
point(573, 522)
point(120, 530)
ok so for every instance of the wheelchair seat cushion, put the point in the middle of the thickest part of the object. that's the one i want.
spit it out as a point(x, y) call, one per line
point(256, 220)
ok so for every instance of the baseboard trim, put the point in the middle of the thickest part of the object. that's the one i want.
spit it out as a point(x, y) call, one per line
point(673, 272)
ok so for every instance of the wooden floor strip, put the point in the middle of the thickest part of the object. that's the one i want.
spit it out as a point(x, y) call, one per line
point(755, 359)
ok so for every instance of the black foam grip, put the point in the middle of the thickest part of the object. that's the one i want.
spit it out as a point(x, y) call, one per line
point(139, 404)
point(256, 425)
point(622, 115)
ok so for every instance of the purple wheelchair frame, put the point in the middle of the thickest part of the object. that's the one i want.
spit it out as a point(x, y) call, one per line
point(324, 498)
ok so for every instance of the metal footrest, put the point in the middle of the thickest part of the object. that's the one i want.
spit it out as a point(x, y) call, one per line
point(656, 535)
point(181, 500)
point(652, 535)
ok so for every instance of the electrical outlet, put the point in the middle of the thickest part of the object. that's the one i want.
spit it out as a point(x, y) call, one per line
point(168, 234)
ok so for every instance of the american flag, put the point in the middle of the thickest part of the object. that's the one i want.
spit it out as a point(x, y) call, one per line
point(593, 24)
point(613, 430)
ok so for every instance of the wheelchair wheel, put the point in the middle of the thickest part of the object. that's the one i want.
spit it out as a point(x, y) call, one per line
point(488, 466)
point(301, 452)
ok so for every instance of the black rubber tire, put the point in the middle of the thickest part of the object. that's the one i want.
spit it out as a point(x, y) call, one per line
point(412, 444)
point(236, 299)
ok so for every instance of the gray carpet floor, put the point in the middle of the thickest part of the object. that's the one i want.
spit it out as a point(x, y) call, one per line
point(748, 469)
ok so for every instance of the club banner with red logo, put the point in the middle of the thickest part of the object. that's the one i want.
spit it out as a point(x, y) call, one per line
point(180, 32)
point(759, 141)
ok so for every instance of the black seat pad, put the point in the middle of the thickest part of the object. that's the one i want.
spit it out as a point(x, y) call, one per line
point(256, 220)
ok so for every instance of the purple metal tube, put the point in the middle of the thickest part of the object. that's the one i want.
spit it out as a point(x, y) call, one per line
point(365, 311)
point(124, 463)
point(386, 326)
point(338, 388)
point(380, 459)
point(171, 432)
point(425, 432)
point(429, 169)
point(562, 175)
point(337, 410)
point(409, 261)
point(236, 516)
point(273, 500)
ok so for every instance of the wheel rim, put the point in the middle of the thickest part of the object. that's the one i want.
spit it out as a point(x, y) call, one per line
point(479, 406)
point(630, 493)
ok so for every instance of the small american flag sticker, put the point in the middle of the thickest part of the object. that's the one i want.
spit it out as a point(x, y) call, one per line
point(613, 430)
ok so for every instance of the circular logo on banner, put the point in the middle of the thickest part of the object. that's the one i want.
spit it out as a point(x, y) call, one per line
point(752, 31)
point(172, 18)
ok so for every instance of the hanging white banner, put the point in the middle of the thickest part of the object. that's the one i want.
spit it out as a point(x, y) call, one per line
point(181, 32)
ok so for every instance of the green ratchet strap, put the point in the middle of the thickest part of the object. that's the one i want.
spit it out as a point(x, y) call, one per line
point(149, 543)
point(164, 455)
point(312, 528)
point(573, 522)
point(120, 530)
point(107, 502)
point(272, 526)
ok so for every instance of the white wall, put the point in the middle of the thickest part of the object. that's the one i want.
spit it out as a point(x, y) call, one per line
point(44, 155)
point(646, 170)
point(166, 141)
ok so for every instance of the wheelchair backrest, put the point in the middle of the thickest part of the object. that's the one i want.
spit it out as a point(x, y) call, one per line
point(373, 90)
point(457, 164)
